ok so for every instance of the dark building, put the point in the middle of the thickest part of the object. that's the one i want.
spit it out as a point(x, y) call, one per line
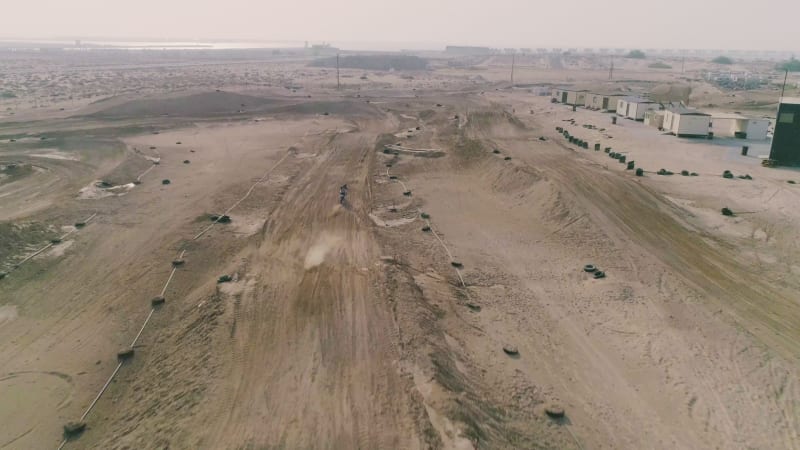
point(786, 139)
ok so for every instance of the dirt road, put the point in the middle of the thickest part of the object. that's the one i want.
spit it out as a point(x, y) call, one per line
point(369, 325)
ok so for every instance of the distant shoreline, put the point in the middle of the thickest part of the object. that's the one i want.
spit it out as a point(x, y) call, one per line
point(144, 45)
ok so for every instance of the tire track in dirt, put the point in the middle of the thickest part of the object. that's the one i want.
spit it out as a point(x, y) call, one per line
point(454, 375)
point(320, 351)
point(630, 211)
point(638, 211)
point(563, 171)
point(169, 280)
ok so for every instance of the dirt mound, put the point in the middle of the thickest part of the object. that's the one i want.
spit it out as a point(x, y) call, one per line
point(341, 108)
point(17, 239)
point(375, 62)
point(671, 93)
point(494, 122)
point(14, 171)
point(194, 105)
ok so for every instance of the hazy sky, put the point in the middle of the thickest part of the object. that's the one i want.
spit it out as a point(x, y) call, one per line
point(763, 24)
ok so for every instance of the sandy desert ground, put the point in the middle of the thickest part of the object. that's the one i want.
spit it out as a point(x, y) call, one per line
point(444, 305)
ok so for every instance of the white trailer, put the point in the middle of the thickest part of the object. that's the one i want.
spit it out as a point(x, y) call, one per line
point(635, 107)
point(736, 125)
point(685, 122)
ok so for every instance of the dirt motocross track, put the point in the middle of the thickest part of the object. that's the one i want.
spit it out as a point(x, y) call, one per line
point(350, 326)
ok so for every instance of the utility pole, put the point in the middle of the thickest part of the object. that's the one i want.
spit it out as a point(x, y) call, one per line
point(783, 89)
point(337, 72)
point(513, 60)
point(611, 69)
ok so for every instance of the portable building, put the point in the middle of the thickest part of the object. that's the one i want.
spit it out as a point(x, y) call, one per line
point(570, 96)
point(756, 129)
point(654, 118)
point(786, 138)
point(737, 125)
point(602, 102)
point(686, 122)
point(635, 107)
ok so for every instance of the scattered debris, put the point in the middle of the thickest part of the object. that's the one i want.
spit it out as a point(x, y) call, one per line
point(745, 177)
point(225, 279)
point(124, 355)
point(589, 268)
point(599, 274)
point(73, 429)
point(554, 411)
point(510, 350)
